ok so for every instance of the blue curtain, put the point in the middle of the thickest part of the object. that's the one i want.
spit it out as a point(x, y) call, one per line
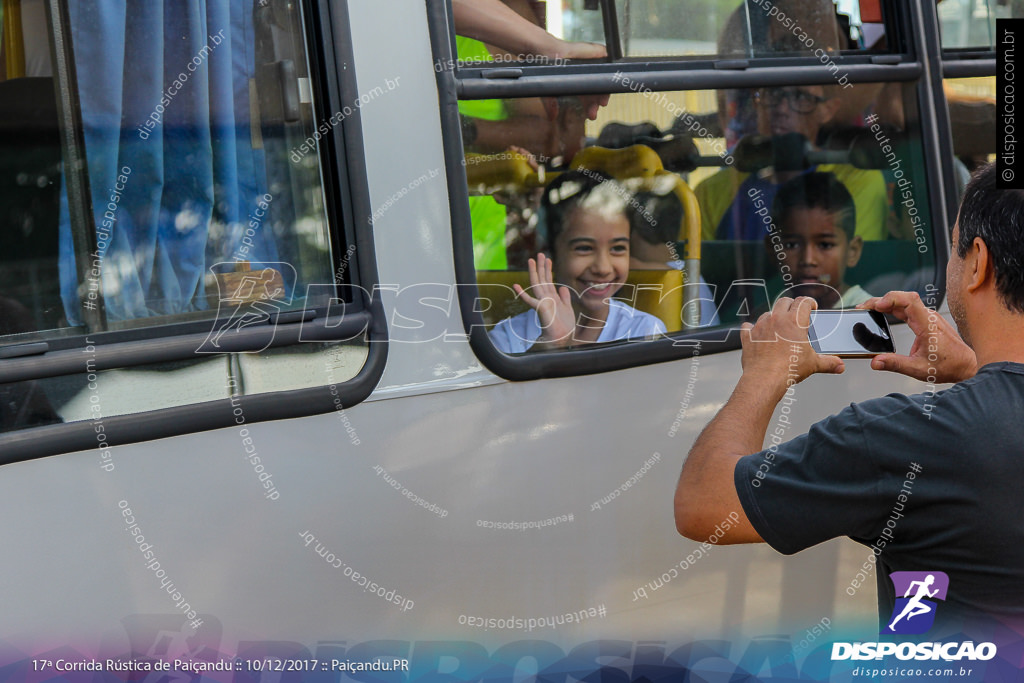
point(174, 173)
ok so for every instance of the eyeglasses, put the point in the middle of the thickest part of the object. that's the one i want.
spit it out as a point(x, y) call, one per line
point(799, 101)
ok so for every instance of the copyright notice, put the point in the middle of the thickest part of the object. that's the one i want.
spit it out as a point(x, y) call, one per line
point(1008, 162)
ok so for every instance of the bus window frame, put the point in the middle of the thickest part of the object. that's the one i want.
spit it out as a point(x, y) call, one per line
point(589, 79)
point(348, 208)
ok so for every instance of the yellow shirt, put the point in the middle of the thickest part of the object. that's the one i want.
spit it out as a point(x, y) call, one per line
point(488, 217)
point(867, 187)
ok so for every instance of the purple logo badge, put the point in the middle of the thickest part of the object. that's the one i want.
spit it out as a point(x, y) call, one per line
point(916, 593)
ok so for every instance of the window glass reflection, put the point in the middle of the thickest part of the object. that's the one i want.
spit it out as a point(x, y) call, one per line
point(545, 33)
point(822, 193)
point(195, 126)
point(972, 23)
point(972, 118)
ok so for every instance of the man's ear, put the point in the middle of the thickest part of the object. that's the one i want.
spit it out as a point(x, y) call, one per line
point(854, 250)
point(978, 268)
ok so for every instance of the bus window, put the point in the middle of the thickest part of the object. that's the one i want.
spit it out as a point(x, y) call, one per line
point(211, 168)
point(971, 23)
point(185, 209)
point(201, 161)
point(706, 212)
point(707, 165)
point(663, 29)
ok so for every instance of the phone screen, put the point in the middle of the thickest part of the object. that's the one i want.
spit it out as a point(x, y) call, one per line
point(850, 332)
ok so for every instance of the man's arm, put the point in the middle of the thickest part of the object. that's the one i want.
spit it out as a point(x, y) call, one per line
point(491, 21)
point(776, 355)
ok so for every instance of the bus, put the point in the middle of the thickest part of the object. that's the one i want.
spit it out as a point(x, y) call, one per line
point(255, 424)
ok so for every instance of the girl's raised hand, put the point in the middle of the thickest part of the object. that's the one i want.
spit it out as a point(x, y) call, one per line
point(552, 303)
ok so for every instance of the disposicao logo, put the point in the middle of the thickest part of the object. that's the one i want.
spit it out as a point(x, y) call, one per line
point(917, 594)
point(914, 613)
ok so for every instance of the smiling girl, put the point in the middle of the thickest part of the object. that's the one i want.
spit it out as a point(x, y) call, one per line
point(570, 294)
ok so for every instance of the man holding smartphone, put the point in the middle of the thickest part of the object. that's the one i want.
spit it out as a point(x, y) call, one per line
point(846, 476)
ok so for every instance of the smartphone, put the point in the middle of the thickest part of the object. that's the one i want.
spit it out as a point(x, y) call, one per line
point(850, 333)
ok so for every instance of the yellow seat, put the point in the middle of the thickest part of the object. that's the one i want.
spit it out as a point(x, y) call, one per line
point(490, 173)
point(13, 40)
point(658, 292)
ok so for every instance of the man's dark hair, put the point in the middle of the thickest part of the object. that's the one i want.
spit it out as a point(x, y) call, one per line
point(997, 217)
point(566, 192)
point(816, 191)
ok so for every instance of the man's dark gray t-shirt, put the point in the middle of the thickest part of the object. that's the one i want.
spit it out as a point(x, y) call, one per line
point(961, 513)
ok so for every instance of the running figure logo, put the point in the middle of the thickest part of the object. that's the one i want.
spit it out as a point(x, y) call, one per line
point(914, 612)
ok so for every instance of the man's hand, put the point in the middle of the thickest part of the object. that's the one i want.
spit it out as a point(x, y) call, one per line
point(951, 359)
point(776, 349)
point(557, 48)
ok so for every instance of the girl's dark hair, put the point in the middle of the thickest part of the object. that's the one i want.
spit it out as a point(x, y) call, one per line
point(573, 188)
point(817, 191)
